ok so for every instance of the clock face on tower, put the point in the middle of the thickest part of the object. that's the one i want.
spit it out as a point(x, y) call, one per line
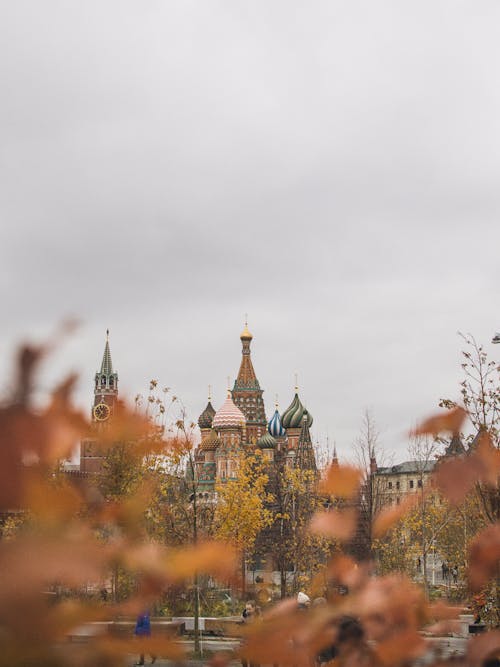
point(101, 412)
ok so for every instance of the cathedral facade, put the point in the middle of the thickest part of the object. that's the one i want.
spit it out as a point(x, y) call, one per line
point(240, 425)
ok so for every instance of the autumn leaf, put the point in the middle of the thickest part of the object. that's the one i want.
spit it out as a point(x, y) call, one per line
point(341, 481)
point(215, 558)
point(488, 457)
point(441, 611)
point(482, 648)
point(402, 647)
point(484, 557)
point(337, 524)
point(347, 572)
point(125, 426)
point(455, 478)
point(389, 516)
point(51, 502)
point(445, 422)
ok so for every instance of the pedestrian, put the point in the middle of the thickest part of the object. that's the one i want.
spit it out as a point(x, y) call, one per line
point(303, 601)
point(454, 574)
point(249, 615)
point(143, 629)
point(445, 570)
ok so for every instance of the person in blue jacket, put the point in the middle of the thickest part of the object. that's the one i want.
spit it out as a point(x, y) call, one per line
point(143, 629)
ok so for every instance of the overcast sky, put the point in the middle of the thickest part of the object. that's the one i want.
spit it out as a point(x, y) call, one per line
point(330, 168)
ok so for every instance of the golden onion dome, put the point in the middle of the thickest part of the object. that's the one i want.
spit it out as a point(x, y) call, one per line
point(245, 334)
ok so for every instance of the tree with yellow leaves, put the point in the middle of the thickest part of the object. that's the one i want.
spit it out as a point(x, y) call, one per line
point(242, 512)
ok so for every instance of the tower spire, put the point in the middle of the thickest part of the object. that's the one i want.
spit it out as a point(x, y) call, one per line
point(107, 364)
point(105, 387)
point(305, 458)
point(247, 393)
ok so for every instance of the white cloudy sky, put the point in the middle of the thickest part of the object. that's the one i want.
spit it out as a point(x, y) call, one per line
point(331, 168)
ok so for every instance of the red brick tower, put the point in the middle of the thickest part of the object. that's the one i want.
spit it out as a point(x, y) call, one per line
point(105, 397)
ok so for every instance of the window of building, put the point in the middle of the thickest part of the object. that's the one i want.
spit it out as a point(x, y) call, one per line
point(397, 486)
point(390, 485)
point(411, 484)
point(398, 500)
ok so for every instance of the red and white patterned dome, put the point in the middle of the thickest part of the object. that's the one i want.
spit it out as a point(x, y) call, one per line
point(228, 415)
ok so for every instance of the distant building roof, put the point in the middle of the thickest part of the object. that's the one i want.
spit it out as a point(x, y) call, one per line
point(408, 467)
point(455, 447)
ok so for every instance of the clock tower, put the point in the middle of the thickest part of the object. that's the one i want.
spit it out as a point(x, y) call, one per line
point(105, 397)
point(105, 387)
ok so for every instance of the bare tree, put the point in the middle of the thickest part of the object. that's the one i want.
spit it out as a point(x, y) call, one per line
point(369, 455)
point(423, 451)
point(480, 391)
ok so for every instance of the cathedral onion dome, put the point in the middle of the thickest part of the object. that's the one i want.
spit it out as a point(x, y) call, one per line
point(292, 417)
point(228, 415)
point(266, 442)
point(211, 442)
point(245, 334)
point(274, 427)
point(206, 417)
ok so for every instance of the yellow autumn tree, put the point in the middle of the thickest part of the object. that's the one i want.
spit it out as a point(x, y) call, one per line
point(241, 512)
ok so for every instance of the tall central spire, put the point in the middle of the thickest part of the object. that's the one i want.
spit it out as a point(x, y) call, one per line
point(247, 394)
point(246, 375)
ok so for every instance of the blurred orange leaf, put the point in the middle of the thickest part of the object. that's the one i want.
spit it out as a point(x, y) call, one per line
point(215, 558)
point(455, 477)
point(484, 556)
point(341, 481)
point(347, 572)
point(337, 524)
point(488, 457)
point(388, 516)
point(404, 646)
point(449, 421)
point(482, 648)
point(51, 502)
point(440, 611)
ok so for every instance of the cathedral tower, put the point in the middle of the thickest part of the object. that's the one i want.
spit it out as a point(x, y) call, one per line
point(291, 420)
point(304, 457)
point(247, 394)
point(229, 422)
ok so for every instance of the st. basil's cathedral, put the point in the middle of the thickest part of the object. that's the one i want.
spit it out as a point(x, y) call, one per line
point(240, 425)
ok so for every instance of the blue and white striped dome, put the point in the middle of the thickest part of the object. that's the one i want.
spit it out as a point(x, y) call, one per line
point(274, 427)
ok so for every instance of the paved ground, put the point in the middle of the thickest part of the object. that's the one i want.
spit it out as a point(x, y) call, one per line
point(438, 646)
